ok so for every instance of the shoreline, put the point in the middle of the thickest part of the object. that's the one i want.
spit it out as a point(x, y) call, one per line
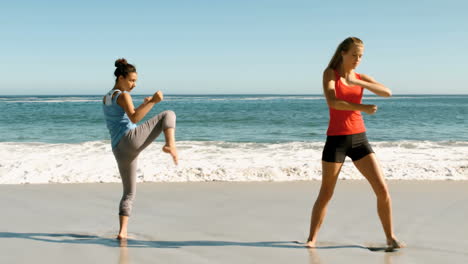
point(241, 182)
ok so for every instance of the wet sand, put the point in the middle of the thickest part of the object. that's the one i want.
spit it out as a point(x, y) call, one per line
point(218, 222)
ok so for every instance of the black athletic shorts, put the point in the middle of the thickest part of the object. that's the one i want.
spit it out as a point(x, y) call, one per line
point(355, 146)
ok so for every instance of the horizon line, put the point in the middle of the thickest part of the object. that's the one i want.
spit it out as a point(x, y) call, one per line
point(226, 94)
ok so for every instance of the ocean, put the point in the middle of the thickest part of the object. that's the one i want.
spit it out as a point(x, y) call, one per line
point(64, 139)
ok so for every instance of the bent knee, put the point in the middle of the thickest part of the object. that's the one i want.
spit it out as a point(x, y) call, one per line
point(169, 118)
point(170, 114)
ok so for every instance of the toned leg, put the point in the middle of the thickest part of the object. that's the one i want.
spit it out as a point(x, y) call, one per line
point(147, 132)
point(370, 169)
point(330, 172)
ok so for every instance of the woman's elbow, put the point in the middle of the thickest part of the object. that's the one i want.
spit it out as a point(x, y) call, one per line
point(134, 119)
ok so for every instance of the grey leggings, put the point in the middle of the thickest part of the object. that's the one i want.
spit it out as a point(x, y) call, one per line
point(128, 149)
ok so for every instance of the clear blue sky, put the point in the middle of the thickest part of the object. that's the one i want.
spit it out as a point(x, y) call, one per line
point(235, 46)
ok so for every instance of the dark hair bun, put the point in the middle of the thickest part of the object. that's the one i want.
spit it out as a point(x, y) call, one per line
point(123, 68)
point(120, 62)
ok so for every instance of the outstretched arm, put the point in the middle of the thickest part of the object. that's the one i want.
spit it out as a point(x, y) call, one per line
point(137, 114)
point(338, 104)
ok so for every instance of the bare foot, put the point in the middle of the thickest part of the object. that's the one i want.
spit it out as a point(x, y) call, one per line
point(172, 150)
point(394, 243)
point(310, 244)
point(122, 237)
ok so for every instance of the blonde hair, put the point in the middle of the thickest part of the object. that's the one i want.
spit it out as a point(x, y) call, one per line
point(346, 45)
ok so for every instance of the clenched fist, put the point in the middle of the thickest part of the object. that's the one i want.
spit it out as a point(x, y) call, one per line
point(157, 97)
point(370, 109)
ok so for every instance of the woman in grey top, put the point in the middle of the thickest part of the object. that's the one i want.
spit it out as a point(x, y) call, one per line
point(128, 139)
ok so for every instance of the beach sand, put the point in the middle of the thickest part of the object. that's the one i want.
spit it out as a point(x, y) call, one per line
point(218, 222)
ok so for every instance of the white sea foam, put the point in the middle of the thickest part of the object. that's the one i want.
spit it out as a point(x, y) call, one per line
point(222, 161)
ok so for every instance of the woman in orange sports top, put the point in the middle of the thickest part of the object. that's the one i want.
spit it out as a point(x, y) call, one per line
point(346, 135)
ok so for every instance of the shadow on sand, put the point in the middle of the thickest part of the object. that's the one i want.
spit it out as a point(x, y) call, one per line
point(126, 245)
point(72, 238)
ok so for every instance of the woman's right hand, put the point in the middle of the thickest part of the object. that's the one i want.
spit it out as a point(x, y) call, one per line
point(157, 97)
point(370, 109)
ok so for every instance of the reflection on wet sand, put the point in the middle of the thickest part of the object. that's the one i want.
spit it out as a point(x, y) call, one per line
point(123, 256)
point(314, 256)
